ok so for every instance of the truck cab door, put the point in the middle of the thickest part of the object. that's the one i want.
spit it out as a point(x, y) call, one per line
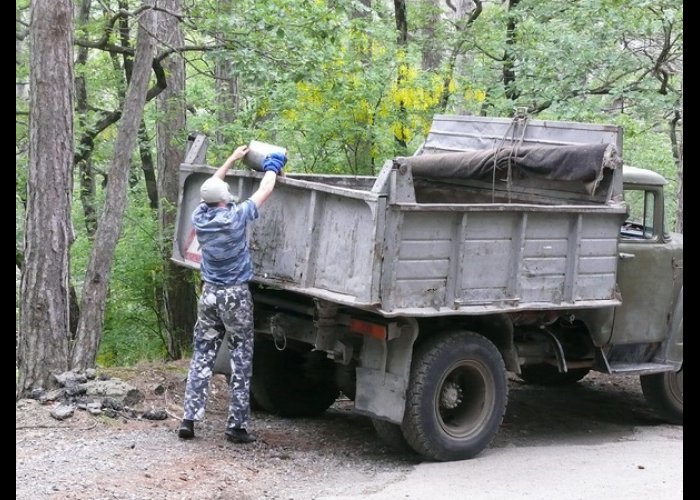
point(649, 271)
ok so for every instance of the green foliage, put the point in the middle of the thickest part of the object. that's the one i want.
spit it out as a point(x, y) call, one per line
point(650, 150)
point(132, 327)
point(132, 324)
point(598, 61)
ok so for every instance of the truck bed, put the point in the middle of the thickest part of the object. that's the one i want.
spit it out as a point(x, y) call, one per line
point(398, 245)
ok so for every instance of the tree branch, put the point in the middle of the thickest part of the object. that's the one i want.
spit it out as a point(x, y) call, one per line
point(189, 48)
point(108, 47)
point(602, 89)
point(102, 43)
point(456, 51)
point(474, 15)
point(487, 53)
point(161, 82)
point(86, 141)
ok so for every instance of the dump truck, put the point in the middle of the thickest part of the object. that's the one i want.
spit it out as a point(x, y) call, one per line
point(501, 245)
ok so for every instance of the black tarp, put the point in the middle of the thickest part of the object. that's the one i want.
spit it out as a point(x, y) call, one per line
point(581, 162)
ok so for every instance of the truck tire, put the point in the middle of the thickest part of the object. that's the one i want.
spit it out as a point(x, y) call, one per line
point(254, 405)
point(346, 380)
point(456, 398)
point(545, 374)
point(291, 383)
point(391, 435)
point(664, 392)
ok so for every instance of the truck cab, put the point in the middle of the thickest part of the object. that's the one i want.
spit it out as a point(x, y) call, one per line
point(647, 252)
point(647, 331)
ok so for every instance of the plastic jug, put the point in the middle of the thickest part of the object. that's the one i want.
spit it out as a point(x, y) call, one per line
point(257, 151)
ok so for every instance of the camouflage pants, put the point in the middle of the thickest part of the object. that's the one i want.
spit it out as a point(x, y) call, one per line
point(220, 310)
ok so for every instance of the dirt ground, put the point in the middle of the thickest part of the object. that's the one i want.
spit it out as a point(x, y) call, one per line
point(338, 453)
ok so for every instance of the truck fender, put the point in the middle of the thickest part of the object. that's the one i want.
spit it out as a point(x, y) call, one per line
point(383, 372)
point(498, 328)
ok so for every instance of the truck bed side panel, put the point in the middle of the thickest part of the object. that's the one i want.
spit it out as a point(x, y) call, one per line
point(317, 240)
point(463, 260)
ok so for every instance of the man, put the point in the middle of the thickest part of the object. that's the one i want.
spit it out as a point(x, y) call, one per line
point(225, 304)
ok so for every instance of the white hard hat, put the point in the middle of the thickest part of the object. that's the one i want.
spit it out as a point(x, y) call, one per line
point(214, 190)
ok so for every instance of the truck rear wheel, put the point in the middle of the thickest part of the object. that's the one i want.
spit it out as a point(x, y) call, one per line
point(664, 392)
point(291, 383)
point(456, 398)
point(346, 380)
point(391, 435)
point(544, 374)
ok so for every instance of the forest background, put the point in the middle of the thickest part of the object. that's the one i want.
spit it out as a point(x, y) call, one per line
point(108, 91)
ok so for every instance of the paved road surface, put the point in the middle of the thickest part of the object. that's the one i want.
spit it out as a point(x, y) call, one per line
point(598, 439)
point(646, 465)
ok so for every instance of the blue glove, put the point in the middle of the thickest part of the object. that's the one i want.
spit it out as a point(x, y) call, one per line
point(274, 162)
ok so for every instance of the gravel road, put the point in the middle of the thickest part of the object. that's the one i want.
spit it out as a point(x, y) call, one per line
point(593, 440)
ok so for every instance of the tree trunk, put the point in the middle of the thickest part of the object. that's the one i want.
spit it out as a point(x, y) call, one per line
point(110, 223)
point(677, 148)
point(509, 83)
point(359, 151)
point(431, 51)
point(178, 283)
point(85, 172)
point(462, 26)
point(44, 303)
point(147, 166)
point(679, 208)
point(402, 43)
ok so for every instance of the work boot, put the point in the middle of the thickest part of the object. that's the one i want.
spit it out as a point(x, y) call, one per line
point(240, 436)
point(186, 430)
